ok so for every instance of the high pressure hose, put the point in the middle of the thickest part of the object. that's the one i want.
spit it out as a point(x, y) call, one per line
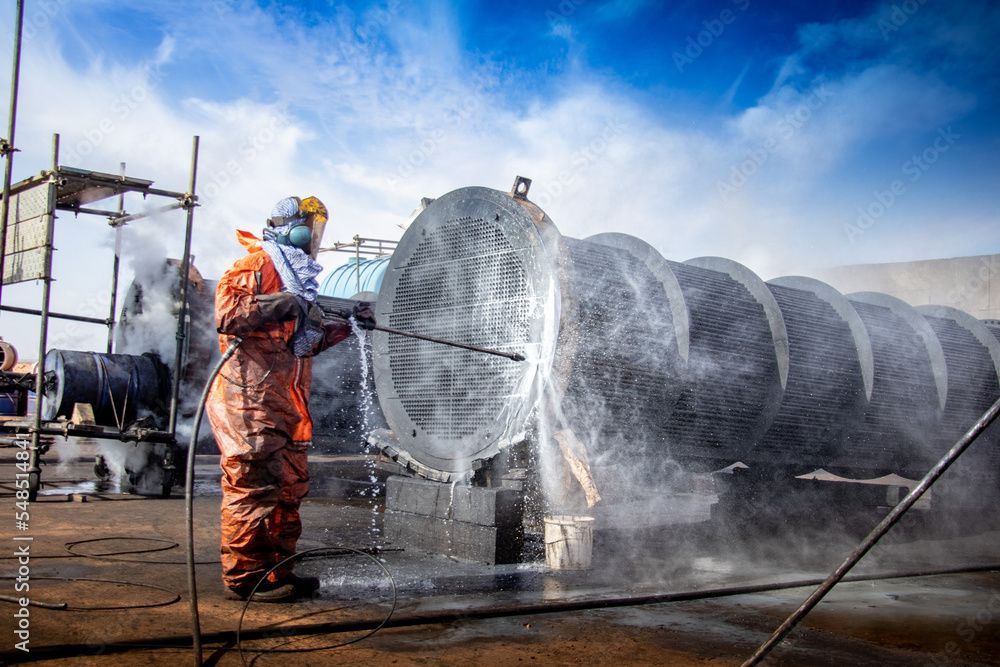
point(189, 503)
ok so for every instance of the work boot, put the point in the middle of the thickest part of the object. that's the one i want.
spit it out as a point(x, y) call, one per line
point(268, 591)
point(304, 586)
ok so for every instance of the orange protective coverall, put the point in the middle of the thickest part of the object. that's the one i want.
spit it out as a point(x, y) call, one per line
point(259, 411)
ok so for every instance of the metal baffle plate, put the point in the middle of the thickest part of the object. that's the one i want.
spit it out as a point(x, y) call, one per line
point(473, 268)
point(28, 235)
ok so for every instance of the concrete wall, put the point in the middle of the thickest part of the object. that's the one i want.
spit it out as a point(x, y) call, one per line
point(969, 283)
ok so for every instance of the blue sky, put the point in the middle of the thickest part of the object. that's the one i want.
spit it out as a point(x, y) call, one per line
point(785, 135)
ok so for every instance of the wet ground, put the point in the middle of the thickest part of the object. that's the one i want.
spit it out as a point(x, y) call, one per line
point(449, 612)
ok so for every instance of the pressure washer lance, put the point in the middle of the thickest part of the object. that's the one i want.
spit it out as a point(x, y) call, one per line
point(344, 309)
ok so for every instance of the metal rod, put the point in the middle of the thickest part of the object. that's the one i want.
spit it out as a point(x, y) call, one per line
point(77, 210)
point(68, 429)
point(513, 356)
point(362, 243)
point(351, 246)
point(15, 77)
point(120, 219)
point(344, 309)
point(43, 332)
point(185, 269)
point(364, 239)
point(115, 218)
point(156, 192)
point(357, 261)
point(115, 268)
point(121, 188)
point(876, 534)
point(58, 316)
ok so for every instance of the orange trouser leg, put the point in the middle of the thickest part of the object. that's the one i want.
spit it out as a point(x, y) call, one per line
point(250, 490)
point(260, 513)
point(286, 525)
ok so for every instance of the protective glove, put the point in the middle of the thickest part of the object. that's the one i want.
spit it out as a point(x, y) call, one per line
point(335, 329)
point(278, 307)
point(364, 315)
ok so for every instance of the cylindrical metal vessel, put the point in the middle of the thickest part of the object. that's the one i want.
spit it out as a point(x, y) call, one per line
point(477, 266)
point(616, 371)
point(646, 359)
point(994, 327)
point(355, 276)
point(972, 355)
point(903, 406)
point(119, 387)
point(829, 375)
point(737, 367)
point(8, 356)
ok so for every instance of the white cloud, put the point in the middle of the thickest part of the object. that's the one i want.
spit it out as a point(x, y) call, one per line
point(370, 112)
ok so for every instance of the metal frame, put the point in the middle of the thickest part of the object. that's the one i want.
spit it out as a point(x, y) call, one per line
point(7, 147)
point(364, 246)
point(72, 189)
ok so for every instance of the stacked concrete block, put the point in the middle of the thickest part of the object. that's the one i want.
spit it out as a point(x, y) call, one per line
point(467, 522)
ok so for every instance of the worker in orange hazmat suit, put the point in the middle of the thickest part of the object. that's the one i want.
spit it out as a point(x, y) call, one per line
point(258, 407)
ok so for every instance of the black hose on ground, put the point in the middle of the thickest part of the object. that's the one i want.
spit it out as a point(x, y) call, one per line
point(112, 556)
point(60, 606)
point(320, 552)
point(189, 502)
point(464, 614)
point(63, 606)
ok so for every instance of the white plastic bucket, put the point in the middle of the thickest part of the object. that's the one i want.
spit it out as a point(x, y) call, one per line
point(569, 542)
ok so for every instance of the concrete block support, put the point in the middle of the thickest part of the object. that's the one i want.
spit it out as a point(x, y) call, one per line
point(467, 522)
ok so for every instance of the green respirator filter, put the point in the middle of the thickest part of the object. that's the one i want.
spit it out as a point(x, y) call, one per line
point(300, 237)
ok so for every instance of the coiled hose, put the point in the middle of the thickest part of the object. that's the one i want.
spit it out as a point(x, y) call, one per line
point(189, 502)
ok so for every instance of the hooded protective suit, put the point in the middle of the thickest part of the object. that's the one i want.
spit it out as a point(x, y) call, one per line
point(259, 413)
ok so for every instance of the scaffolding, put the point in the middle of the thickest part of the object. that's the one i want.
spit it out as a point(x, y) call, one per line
point(363, 247)
point(29, 226)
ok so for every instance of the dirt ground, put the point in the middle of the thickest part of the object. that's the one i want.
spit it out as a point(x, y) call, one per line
point(931, 620)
